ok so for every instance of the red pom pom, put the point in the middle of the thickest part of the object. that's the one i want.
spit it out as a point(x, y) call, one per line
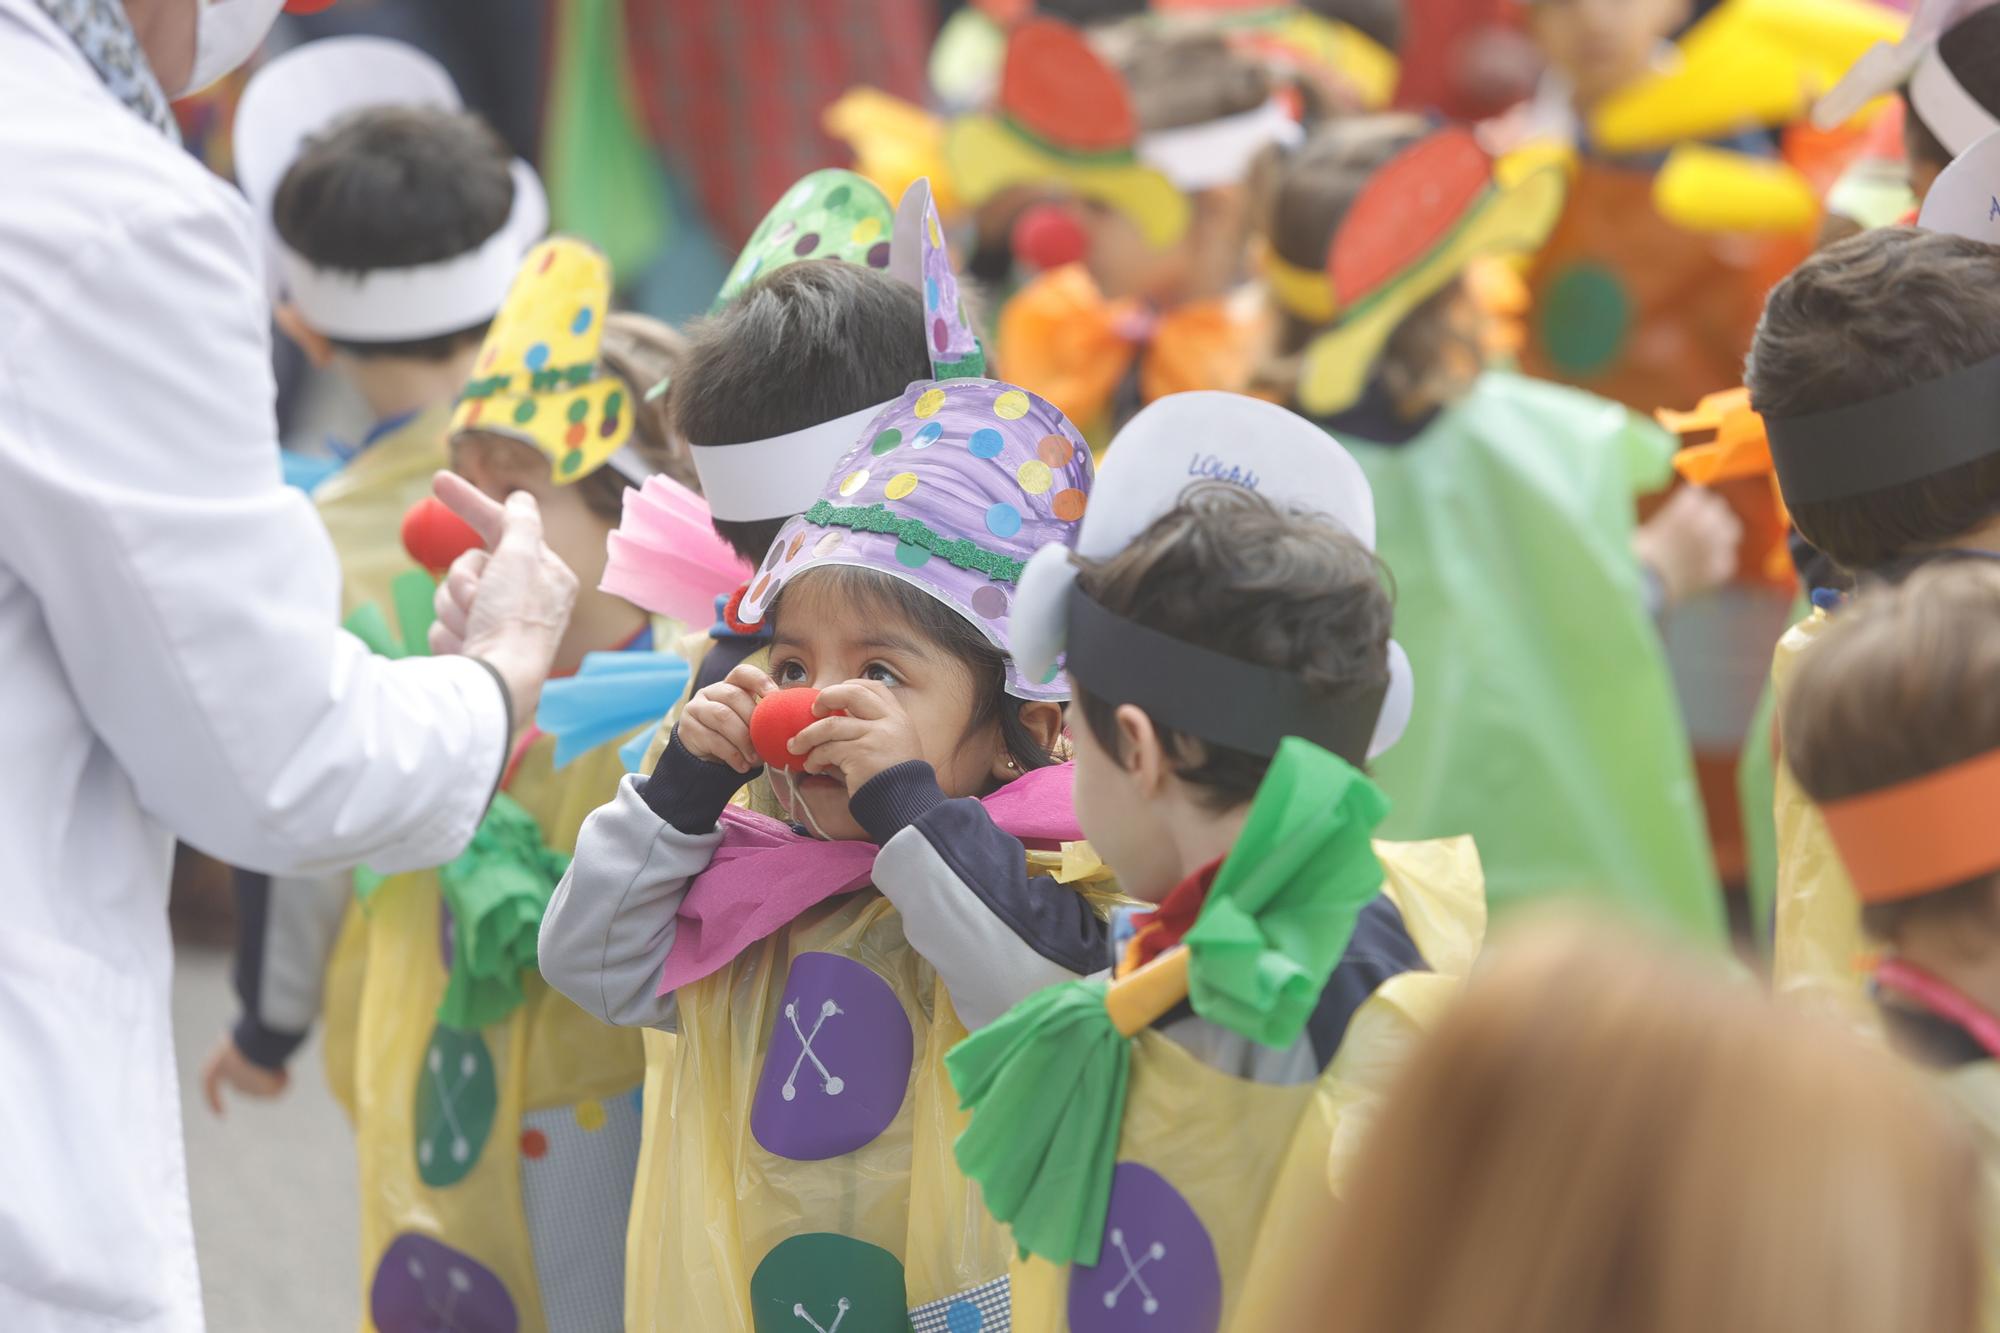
point(1048, 236)
point(777, 718)
point(434, 536)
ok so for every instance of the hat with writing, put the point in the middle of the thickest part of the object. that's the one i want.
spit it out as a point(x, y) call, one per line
point(950, 488)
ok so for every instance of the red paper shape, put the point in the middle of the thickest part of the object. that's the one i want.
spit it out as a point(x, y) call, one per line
point(308, 6)
point(1055, 86)
point(1406, 211)
point(777, 718)
point(434, 536)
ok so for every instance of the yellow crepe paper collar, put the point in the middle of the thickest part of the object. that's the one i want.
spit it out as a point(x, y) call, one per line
point(538, 378)
point(1418, 224)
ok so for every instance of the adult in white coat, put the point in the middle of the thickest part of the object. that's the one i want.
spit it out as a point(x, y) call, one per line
point(169, 662)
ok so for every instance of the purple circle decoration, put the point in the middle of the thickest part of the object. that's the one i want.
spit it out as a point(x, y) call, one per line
point(837, 1066)
point(1158, 1272)
point(425, 1286)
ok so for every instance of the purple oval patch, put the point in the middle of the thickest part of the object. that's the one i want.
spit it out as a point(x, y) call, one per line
point(838, 1063)
point(1158, 1270)
point(425, 1286)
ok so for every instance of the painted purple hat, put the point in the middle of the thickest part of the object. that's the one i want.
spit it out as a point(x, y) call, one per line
point(950, 488)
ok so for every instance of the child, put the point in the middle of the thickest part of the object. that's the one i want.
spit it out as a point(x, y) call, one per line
point(497, 1126)
point(1289, 960)
point(1891, 729)
point(1869, 369)
point(810, 1177)
point(1550, 730)
point(1148, 312)
point(369, 183)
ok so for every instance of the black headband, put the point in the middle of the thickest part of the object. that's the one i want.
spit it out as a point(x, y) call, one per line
point(1884, 442)
point(1210, 695)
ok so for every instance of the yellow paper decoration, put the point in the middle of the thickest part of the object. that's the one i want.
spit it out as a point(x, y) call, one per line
point(538, 378)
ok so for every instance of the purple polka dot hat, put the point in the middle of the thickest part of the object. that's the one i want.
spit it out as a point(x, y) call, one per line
point(951, 488)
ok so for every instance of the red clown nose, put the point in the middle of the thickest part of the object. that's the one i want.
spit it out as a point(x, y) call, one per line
point(1049, 236)
point(778, 717)
point(434, 536)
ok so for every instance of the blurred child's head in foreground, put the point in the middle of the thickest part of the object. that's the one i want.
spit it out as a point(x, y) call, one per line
point(1605, 1135)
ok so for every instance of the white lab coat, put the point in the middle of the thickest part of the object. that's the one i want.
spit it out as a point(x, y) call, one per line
point(169, 664)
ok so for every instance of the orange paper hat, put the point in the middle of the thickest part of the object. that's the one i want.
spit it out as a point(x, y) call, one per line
point(1922, 835)
point(1723, 440)
point(1065, 118)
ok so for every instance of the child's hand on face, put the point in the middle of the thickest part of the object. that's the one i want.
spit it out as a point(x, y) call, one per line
point(875, 735)
point(715, 725)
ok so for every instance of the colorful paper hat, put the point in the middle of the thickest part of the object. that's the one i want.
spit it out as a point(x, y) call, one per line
point(778, 477)
point(1430, 211)
point(1745, 63)
point(539, 378)
point(1065, 118)
point(1962, 201)
point(1172, 443)
point(307, 91)
point(1913, 64)
point(950, 488)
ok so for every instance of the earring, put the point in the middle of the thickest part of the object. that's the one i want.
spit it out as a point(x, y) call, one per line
point(1013, 767)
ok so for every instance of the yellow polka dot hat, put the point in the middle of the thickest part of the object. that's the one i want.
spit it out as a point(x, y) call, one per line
point(538, 378)
point(950, 488)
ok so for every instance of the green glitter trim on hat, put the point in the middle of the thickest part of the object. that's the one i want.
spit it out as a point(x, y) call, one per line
point(911, 532)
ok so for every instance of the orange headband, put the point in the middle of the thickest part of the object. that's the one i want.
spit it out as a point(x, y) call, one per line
point(1922, 835)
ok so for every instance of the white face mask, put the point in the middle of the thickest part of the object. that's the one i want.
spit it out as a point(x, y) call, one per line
point(227, 33)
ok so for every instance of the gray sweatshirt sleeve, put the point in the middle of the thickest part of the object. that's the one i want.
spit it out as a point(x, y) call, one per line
point(995, 933)
point(286, 928)
point(611, 922)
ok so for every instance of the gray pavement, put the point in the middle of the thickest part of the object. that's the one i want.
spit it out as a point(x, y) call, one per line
point(273, 1183)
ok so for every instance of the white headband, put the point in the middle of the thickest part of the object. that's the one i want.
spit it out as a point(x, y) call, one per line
point(424, 300)
point(1941, 102)
point(1218, 152)
point(778, 477)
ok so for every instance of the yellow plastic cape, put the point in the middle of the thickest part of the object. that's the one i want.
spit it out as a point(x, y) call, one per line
point(735, 1236)
point(1974, 1090)
point(1820, 959)
point(362, 506)
point(506, 1153)
point(1255, 1169)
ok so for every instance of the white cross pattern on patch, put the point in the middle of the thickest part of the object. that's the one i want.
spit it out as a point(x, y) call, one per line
point(839, 1314)
point(1151, 1303)
point(468, 1065)
point(460, 1282)
point(829, 1082)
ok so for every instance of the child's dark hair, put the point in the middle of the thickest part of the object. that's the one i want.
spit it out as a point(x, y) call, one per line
point(395, 187)
point(1178, 79)
point(811, 342)
point(1227, 569)
point(1901, 685)
point(1970, 49)
point(1869, 316)
point(1309, 195)
point(878, 594)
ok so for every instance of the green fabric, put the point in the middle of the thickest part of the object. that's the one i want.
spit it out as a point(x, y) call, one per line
point(498, 889)
point(1546, 723)
point(1756, 800)
point(1283, 905)
point(604, 182)
point(831, 213)
point(1046, 1084)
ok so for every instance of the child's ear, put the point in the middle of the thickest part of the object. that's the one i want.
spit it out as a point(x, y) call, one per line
point(316, 345)
point(1043, 723)
point(1140, 752)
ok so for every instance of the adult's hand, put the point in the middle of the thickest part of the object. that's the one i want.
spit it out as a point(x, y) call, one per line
point(507, 605)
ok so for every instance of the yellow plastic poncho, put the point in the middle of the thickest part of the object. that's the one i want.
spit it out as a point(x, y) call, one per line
point(735, 1236)
point(1820, 958)
point(1224, 1186)
point(497, 1164)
